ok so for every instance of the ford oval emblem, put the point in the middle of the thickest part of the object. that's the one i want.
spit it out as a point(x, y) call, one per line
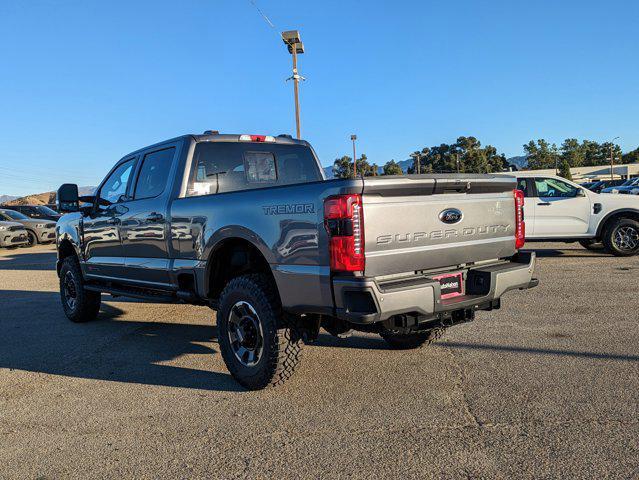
point(450, 215)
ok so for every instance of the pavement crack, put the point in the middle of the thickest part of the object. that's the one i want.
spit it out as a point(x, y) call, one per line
point(459, 384)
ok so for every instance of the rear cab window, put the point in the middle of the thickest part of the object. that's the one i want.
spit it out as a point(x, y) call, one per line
point(220, 167)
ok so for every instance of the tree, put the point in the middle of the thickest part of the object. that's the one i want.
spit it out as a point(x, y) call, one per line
point(393, 168)
point(564, 170)
point(631, 157)
point(343, 167)
point(572, 152)
point(466, 155)
point(541, 155)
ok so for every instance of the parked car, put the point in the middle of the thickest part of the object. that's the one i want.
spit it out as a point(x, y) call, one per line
point(247, 225)
point(38, 231)
point(12, 235)
point(597, 187)
point(559, 210)
point(630, 187)
point(40, 212)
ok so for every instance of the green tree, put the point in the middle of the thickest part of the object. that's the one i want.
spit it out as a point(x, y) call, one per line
point(631, 157)
point(343, 167)
point(541, 154)
point(393, 168)
point(564, 170)
point(573, 152)
point(466, 155)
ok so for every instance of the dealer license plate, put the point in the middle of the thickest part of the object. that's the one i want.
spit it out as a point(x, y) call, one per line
point(451, 284)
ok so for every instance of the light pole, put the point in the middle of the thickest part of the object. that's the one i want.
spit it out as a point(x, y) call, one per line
point(612, 159)
point(353, 138)
point(417, 157)
point(295, 46)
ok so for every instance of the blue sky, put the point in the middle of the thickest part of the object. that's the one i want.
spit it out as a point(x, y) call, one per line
point(84, 82)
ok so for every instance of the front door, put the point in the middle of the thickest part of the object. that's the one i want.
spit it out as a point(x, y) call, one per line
point(144, 227)
point(560, 209)
point(103, 250)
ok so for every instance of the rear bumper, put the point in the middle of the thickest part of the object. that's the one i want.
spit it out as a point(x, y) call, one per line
point(364, 301)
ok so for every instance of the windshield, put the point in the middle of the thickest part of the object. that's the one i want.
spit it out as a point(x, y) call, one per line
point(14, 215)
point(46, 210)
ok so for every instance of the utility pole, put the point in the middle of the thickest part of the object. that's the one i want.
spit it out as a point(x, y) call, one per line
point(612, 159)
point(294, 44)
point(353, 138)
point(457, 161)
point(418, 167)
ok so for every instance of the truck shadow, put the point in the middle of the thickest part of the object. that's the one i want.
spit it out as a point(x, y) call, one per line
point(567, 253)
point(377, 343)
point(540, 351)
point(36, 336)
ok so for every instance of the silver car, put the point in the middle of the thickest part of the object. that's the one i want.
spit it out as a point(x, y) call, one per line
point(12, 234)
point(38, 231)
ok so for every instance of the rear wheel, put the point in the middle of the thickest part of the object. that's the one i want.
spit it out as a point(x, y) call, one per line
point(621, 237)
point(260, 346)
point(591, 244)
point(408, 341)
point(79, 305)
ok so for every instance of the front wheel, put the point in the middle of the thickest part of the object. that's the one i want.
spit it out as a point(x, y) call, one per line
point(259, 345)
point(409, 341)
point(32, 239)
point(621, 237)
point(79, 305)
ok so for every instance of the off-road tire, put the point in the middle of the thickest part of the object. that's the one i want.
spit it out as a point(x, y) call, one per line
point(591, 244)
point(610, 232)
point(409, 341)
point(281, 340)
point(87, 303)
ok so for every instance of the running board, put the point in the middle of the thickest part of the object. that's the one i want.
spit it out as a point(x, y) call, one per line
point(153, 295)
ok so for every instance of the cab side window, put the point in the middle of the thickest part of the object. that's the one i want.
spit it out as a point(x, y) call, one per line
point(116, 185)
point(154, 174)
point(554, 188)
point(522, 184)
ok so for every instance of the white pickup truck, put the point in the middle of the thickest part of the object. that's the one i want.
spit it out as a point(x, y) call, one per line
point(560, 210)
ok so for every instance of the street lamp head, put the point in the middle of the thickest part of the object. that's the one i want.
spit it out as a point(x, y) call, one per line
point(353, 137)
point(292, 39)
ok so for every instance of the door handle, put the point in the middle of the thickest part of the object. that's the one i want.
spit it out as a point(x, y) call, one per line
point(544, 204)
point(113, 221)
point(155, 217)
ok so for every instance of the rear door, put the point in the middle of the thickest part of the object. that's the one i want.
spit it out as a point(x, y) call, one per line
point(561, 209)
point(144, 227)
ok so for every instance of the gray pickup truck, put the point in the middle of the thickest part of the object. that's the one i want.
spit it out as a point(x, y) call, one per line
point(248, 226)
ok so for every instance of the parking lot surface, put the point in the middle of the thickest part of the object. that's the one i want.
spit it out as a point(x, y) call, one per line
point(546, 387)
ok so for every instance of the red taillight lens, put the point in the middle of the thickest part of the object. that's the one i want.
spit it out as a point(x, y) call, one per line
point(520, 225)
point(344, 221)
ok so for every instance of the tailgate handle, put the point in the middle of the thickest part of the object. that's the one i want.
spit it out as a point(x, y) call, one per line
point(544, 204)
point(457, 187)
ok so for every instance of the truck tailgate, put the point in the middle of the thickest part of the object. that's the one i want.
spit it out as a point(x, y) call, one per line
point(404, 227)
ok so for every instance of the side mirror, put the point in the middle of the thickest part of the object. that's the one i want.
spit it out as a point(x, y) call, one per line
point(67, 198)
point(580, 193)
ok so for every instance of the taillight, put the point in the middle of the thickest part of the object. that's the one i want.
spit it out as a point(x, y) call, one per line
point(520, 225)
point(344, 221)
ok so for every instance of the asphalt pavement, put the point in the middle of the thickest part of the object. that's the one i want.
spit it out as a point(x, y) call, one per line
point(546, 387)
